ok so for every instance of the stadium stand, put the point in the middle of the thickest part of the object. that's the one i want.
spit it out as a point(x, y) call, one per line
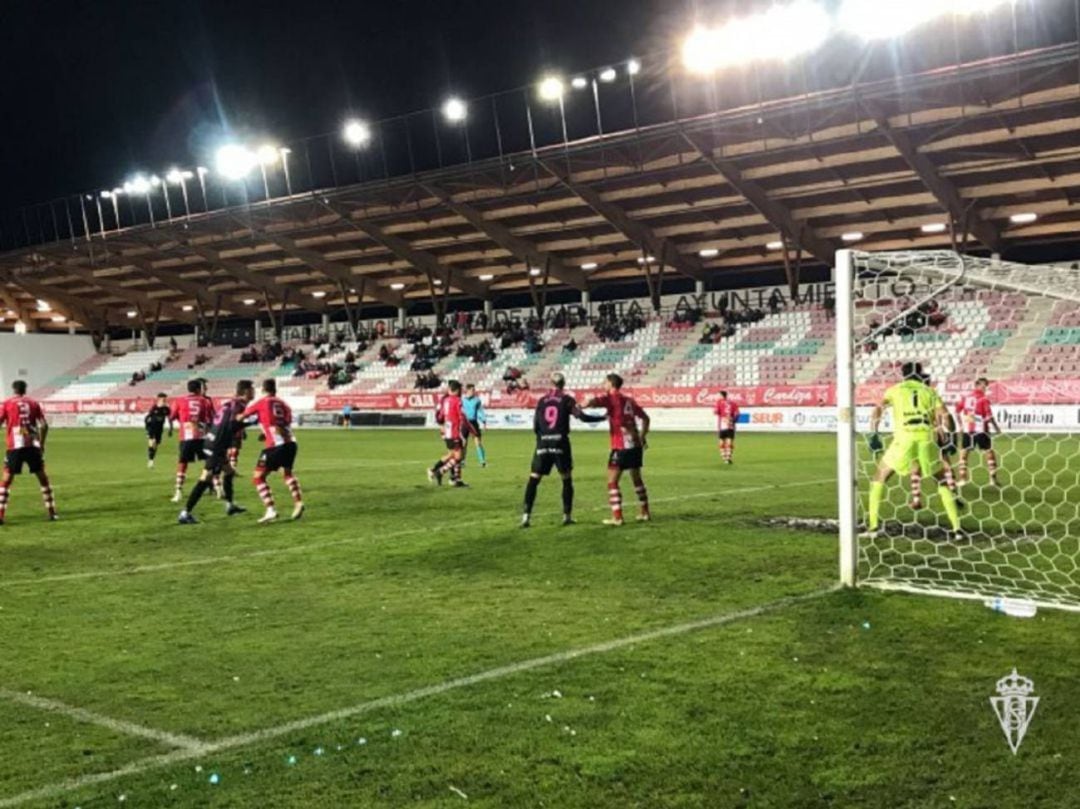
point(967, 335)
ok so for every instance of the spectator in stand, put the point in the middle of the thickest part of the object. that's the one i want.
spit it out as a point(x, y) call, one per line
point(571, 346)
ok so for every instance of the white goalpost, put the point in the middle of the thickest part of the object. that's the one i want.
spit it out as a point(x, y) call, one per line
point(1000, 343)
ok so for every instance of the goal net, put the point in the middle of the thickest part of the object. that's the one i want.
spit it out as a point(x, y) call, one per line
point(1000, 344)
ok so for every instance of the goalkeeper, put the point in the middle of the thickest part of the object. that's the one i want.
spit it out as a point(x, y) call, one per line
point(919, 419)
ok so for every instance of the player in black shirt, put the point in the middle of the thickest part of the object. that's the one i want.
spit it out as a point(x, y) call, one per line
point(217, 447)
point(155, 427)
point(551, 423)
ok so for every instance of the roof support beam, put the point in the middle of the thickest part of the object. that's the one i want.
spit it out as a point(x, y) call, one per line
point(70, 306)
point(334, 270)
point(521, 249)
point(775, 214)
point(942, 189)
point(639, 234)
point(422, 260)
point(143, 302)
point(267, 286)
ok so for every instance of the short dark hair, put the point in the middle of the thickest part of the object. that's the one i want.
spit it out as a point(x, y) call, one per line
point(454, 386)
point(19, 387)
point(162, 396)
point(470, 386)
point(615, 380)
point(194, 386)
point(270, 386)
point(723, 394)
point(912, 371)
point(982, 380)
point(243, 386)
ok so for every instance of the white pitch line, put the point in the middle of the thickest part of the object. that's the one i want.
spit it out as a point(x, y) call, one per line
point(188, 743)
point(309, 546)
point(267, 734)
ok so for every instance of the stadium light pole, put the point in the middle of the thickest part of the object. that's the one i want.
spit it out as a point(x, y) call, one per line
point(100, 215)
point(456, 113)
point(267, 155)
point(284, 152)
point(155, 181)
point(202, 171)
point(140, 186)
point(552, 90)
point(180, 178)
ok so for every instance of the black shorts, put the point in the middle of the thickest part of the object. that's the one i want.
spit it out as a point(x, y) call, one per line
point(727, 434)
point(155, 433)
point(30, 456)
point(454, 443)
point(274, 458)
point(627, 458)
point(192, 451)
point(980, 441)
point(474, 429)
point(557, 456)
point(218, 462)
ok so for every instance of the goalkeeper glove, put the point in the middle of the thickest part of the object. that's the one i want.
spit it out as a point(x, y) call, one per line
point(874, 440)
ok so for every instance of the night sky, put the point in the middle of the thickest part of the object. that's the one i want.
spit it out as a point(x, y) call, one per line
point(93, 91)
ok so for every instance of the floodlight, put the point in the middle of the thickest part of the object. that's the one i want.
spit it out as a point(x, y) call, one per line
point(155, 181)
point(854, 236)
point(454, 110)
point(779, 33)
point(589, 265)
point(1023, 218)
point(249, 301)
point(633, 67)
point(106, 194)
point(58, 318)
point(20, 327)
point(187, 307)
point(774, 246)
point(132, 314)
point(608, 75)
point(235, 162)
point(318, 293)
point(646, 259)
point(177, 177)
point(551, 88)
point(872, 19)
point(709, 252)
point(579, 82)
point(356, 133)
point(437, 282)
point(137, 185)
point(534, 271)
point(487, 277)
point(934, 227)
point(267, 155)
point(202, 171)
point(43, 306)
point(398, 286)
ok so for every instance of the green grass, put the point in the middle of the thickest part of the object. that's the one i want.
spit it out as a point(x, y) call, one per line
point(389, 585)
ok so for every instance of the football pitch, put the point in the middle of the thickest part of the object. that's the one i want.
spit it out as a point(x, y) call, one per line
point(408, 645)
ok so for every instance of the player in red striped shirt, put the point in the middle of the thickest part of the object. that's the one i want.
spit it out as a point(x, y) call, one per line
point(727, 417)
point(628, 445)
point(195, 414)
point(274, 418)
point(452, 425)
point(976, 418)
point(26, 432)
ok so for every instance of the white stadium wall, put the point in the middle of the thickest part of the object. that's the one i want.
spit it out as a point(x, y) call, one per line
point(40, 358)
